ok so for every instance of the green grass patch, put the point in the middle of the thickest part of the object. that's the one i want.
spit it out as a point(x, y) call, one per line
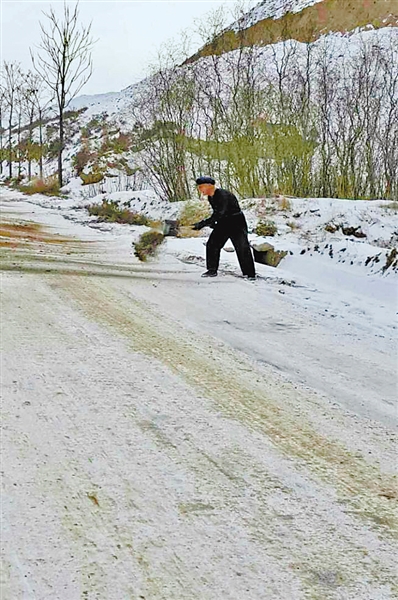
point(94, 177)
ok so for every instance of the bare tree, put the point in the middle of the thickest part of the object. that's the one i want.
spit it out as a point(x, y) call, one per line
point(34, 105)
point(2, 107)
point(19, 110)
point(64, 62)
point(387, 136)
point(12, 80)
point(41, 107)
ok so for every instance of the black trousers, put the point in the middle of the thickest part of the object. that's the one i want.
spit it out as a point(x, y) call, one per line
point(235, 229)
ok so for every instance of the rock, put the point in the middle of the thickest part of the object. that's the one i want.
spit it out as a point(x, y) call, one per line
point(391, 260)
point(355, 231)
point(331, 227)
point(229, 249)
point(263, 247)
point(267, 255)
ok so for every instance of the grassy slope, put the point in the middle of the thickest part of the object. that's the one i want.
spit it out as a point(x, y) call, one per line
point(308, 25)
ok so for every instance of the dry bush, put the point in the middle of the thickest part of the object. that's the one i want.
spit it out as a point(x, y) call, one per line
point(192, 212)
point(111, 212)
point(284, 204)
point(82, 158)
point(266, 228)
point(48, 186)
point(148, 245)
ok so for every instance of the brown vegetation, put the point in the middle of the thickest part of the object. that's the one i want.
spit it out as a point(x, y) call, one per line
point(148, 245)
point(110, 211)
point(13, 234)
point(266, 228)
point(48, 187)
point(307, 25)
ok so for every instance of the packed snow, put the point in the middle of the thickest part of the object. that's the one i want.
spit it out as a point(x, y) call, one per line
point(123, 364)
point(344, 279)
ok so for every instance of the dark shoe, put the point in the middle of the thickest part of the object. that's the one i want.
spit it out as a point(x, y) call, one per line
point(209, 274)
point(252, 278)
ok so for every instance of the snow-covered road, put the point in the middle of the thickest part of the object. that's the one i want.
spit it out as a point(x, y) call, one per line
point(167, 437)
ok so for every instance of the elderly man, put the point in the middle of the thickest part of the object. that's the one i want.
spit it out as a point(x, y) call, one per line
point(228, 222)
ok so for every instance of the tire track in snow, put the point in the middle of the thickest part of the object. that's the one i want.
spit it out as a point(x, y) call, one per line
point(214, 373)
point(302, 506)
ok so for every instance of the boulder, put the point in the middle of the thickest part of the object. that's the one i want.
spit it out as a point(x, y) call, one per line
point(355, 231)
point(331, 227)
point(264, 247)
point(267, 255)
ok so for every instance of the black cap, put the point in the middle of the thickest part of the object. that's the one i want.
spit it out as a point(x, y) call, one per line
point(201, 180)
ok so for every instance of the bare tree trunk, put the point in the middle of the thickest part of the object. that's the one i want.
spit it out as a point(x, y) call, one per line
point(19, 142)
point(1, 129)
point(41, 144)
point(64, 64)
point(30, 140)
point(61, 146)
point(10, 144)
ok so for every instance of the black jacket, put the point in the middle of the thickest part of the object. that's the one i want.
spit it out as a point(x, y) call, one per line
point(224, 205)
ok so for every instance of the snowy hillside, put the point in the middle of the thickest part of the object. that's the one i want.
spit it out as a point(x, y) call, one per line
point(294, 136)
point(342, 49)
point(112, 103)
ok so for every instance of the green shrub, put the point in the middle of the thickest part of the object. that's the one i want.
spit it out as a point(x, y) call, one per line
point(48, 186)
point(94, 177)
point(265, 228)
point(148, 245)
point(110, 211)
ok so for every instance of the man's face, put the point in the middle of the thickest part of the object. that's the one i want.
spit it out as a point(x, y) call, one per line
point(206, 189)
